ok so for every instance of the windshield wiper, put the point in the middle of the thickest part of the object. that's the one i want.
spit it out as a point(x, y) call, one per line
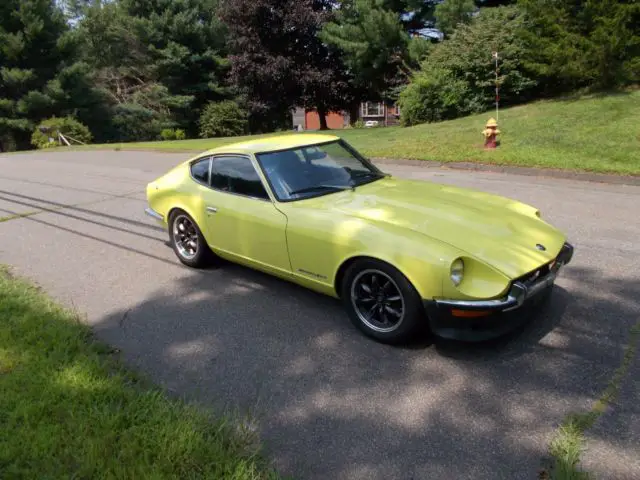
point(366, 175)
point(315, 188)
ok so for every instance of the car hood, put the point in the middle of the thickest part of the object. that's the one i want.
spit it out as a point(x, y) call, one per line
point(499, 231)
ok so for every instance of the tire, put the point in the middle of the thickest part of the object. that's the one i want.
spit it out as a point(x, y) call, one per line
point(184, 235)
point(389, 293)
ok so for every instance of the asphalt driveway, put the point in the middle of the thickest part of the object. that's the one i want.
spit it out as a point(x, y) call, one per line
point(329, 403)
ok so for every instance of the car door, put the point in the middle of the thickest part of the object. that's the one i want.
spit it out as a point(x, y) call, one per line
point(240, 217)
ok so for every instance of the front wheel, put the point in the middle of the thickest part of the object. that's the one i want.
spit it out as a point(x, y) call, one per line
point(187, 241)
point(381, 302)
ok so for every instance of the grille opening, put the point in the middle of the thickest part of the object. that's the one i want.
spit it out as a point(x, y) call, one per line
point(538, 274)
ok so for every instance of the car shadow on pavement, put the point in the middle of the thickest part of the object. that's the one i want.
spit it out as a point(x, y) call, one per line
point(539, 322)
point(330, 403)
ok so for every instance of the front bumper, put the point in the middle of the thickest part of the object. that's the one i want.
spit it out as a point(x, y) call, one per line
point(477, 320)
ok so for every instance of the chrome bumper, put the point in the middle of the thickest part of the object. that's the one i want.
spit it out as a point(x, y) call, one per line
point(153, 214)
point(517, 295)
point(519, 291)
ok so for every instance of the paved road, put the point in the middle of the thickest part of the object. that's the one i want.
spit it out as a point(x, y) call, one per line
point(328, 402)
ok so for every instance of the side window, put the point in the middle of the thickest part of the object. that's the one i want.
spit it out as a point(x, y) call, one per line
point(237, 175)
point(200, 170)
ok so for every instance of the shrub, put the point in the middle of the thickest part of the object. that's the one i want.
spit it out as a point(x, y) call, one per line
point(223, 119)
point(433, 96)
point(168, 134)
point(68, 126)
point(8, 143)
point(172, 134)
point(358, 123)
point(133, 122)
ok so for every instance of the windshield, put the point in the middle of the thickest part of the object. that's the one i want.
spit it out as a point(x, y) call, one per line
point(316, 170)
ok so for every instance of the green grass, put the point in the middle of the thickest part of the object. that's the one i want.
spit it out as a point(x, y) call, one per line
point(69, 409)
point(567, 446)
point(597, 133)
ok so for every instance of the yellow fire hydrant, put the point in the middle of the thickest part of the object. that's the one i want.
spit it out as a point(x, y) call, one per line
point(491, 133)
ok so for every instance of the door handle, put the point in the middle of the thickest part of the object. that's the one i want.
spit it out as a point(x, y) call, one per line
point(212, 210)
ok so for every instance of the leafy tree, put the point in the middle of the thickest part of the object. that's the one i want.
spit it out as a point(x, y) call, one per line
point(223, 119)
point(466, 56)
point(588, 43)
point(450, 13)
point(278, 61)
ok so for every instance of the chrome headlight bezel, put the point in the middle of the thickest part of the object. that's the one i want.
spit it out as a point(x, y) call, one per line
point(456, 271)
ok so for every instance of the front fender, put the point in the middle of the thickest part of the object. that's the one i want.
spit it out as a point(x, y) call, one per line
point(423, 260)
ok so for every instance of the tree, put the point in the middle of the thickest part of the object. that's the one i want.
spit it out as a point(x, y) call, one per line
point(158, 66)
point(450, 13)
point(185, 43)
point(414, 15)
point(458, 76)
point(374, 46)
point(380, 42)
point(577, 44)
point(34, 46)
point(278, 61)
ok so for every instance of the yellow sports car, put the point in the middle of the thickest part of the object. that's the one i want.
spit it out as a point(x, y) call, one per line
point(310, 209)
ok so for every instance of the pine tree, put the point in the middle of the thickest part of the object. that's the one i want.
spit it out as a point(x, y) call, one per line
point(34, 46)
point(185, 42)
point(373, 38)
point(158, 61)
point(577, 44)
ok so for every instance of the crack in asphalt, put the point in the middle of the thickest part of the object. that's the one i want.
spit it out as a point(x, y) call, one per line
point(568, 444)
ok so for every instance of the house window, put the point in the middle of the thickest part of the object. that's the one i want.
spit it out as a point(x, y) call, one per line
point(372, 109)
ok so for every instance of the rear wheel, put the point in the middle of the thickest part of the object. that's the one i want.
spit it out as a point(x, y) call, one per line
point(381, 302)
point(187, 240)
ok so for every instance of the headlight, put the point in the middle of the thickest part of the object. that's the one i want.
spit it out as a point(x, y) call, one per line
point(457, 271)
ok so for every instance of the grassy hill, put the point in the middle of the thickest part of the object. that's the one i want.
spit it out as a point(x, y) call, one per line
point(599, 133)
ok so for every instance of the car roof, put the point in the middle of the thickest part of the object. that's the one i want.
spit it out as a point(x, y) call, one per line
point(270, 144)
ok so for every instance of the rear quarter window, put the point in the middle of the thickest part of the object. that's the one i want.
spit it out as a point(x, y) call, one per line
point(200, 170)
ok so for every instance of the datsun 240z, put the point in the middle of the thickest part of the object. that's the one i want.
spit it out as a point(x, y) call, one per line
point(398, 253)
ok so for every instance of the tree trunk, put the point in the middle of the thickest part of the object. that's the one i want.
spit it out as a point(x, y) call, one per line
point(354, 113)
point(322, 113)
